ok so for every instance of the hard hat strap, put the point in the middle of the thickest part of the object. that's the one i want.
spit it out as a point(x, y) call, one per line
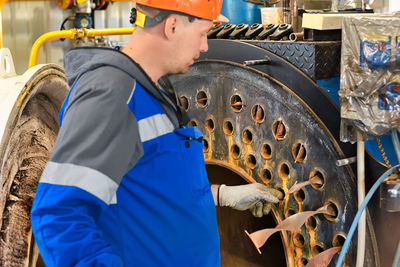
point(142, 20)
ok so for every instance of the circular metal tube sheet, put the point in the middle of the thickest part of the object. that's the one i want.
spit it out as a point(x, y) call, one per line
point(308, 117)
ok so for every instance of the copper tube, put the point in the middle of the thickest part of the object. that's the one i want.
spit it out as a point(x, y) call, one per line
point(296, 36)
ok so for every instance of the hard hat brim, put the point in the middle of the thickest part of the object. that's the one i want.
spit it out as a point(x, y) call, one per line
point(221, 18)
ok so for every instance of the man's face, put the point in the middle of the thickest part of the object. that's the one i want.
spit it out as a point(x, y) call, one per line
point(190, 42)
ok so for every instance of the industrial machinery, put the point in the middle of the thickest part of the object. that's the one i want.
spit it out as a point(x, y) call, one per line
point(269, 112)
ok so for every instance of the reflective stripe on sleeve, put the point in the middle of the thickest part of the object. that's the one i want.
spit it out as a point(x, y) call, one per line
point(154, 126)
point(90, 180)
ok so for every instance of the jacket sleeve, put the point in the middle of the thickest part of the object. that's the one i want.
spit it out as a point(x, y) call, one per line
point(97, 144)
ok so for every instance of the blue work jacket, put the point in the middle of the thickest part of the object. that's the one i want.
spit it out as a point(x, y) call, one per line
point(125, 185)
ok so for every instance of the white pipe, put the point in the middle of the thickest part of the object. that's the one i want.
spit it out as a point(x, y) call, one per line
point(361, 195)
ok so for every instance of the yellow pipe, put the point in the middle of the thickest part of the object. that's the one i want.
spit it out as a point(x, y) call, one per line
point(72, 34)
point(1, 29)
point(2, 2)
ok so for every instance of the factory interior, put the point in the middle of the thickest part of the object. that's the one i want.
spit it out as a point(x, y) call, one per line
point(298, 95)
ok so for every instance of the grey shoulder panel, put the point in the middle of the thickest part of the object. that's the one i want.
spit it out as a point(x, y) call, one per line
point(99, 131)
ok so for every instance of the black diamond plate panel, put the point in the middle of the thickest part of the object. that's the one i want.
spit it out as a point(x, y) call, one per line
point(319, 60)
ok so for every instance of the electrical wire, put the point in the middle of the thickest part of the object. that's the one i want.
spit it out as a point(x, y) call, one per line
point(62, 27)
point(353, 226)
point(380, 146)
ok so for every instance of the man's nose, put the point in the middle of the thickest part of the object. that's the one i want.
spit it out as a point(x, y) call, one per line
point(204, 44)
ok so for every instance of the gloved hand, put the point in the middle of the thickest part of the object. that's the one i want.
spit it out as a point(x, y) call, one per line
point(256, 197)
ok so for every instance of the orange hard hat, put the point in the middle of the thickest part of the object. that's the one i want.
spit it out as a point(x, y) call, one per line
point(205, 9)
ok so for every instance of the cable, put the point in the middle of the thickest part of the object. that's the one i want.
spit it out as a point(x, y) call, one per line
point(360, 211)
point(383, 152)
point(62, 27)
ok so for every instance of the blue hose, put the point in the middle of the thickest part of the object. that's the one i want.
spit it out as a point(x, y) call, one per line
point(353, 226)
point(396, 262)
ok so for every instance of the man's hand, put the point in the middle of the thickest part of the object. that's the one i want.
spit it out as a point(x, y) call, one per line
point(256, 197)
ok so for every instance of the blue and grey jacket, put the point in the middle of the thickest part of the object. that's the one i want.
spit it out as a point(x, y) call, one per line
point(125, 186)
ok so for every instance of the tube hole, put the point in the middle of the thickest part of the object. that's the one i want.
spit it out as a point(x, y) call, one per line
point(205, 146)
point(333, 211)
point(247, 136)
point(266, 175)
point(317, 179)
point(315, 250)
point(284, 171)
point(338, 240)
point(202, 99)
point(266, 151)
point(280, 189)
point(236, 103)
point(228, 128)
point(302, 262)
point(251, 161)
point(299, 152)
point(210, 125)
point(298, 240)
point(235, 151)
point(279, 130)
point(184, 102)
point(289, 213)
point(192, 123)
point(299, 195)
point(257, 113)
point(311, 223)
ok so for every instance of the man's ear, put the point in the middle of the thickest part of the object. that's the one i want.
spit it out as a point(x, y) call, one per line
point(171, 22)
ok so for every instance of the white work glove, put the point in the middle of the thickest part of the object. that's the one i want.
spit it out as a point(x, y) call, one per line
point(256, 197)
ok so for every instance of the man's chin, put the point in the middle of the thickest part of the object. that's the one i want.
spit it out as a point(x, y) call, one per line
point(181, 71)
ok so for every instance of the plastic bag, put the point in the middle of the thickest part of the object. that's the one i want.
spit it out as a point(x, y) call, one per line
point(370, 75)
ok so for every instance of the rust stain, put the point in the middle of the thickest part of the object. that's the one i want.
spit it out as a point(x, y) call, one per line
point(300, 206)
point(210, 144)
point(266, 164)
point(298, 254)
point(313, 241)
point(248, 152)
point(231, 160)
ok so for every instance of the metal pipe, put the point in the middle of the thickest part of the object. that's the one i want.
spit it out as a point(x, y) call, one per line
point(2, 2)
point(72, 34)
point(294, 14)
point(361, 196)
point(347, 161)
point(296, 36)
point(335, 4)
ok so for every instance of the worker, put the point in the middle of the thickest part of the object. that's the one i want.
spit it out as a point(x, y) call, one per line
point(126, 183)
